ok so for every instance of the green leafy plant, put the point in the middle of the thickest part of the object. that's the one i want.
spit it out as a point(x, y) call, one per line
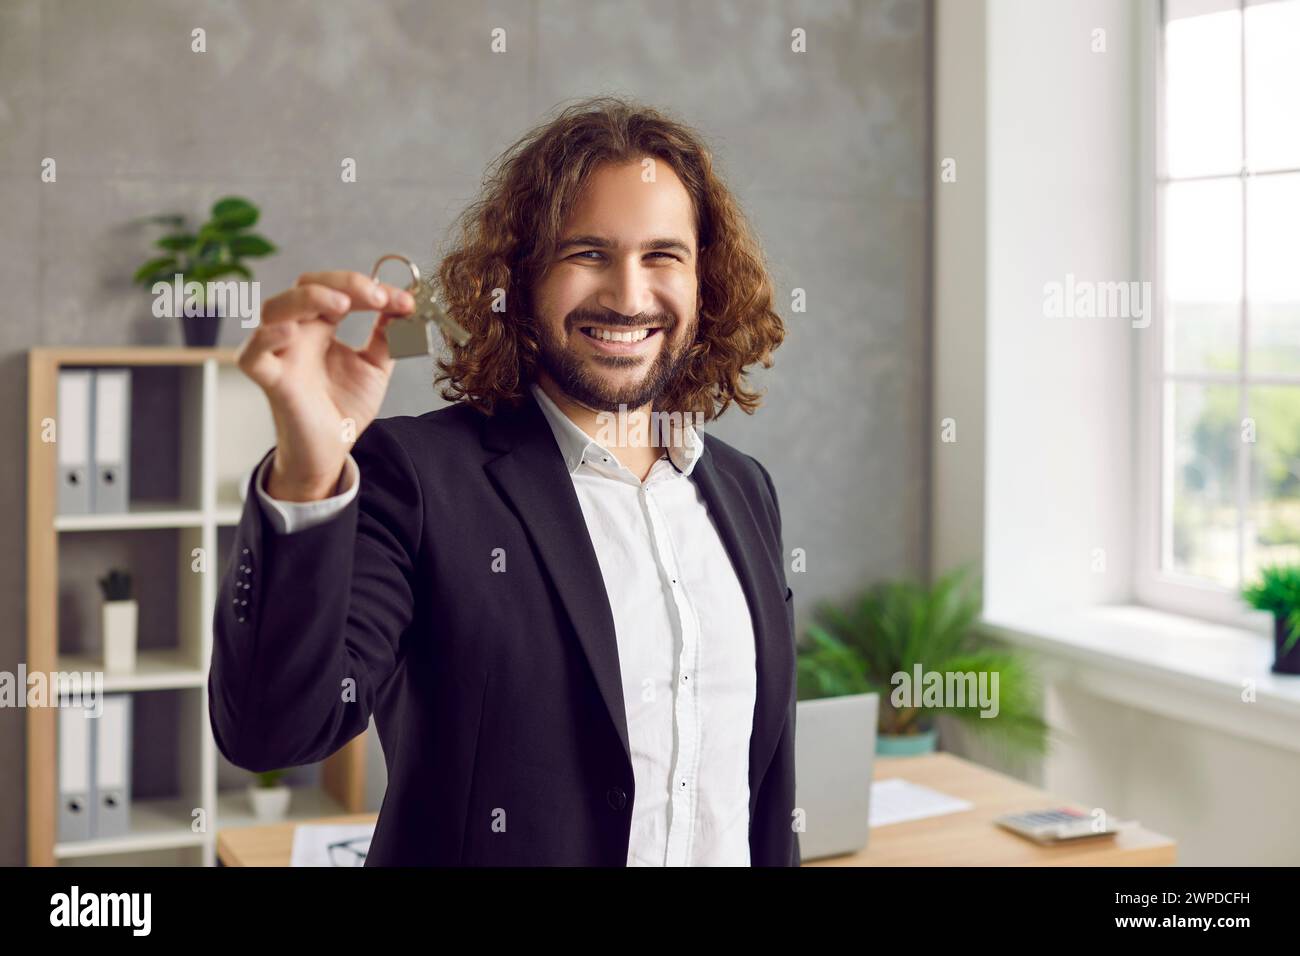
point(894, 626)
point(269, 778)
point(116, 585)
point(1278, 592)
point(215, 250)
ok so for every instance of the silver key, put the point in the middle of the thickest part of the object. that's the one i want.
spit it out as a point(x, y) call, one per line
point(412, 335)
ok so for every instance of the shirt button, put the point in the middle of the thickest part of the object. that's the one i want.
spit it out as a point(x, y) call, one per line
point(616, 798)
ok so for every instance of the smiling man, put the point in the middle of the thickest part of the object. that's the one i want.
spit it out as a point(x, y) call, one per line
point(578, 649)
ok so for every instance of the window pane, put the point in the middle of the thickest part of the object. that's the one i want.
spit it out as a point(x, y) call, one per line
point(1273, 85)
point(1273, 524)
point(1204, 437)
point(1202, 275)
point(1202, 89)
point(1273, 272)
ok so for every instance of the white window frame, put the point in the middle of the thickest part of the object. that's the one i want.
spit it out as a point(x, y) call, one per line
point(1154, 586)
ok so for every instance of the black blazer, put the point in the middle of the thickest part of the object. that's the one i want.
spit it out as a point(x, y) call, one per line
point(497, 696)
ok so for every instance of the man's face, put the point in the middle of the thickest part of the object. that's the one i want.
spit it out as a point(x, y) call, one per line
point(617, 304)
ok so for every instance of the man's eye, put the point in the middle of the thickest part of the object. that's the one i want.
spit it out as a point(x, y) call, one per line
point(598, 254)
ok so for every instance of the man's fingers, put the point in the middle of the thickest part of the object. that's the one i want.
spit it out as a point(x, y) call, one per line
point(332, 298)
point(364, 291)
point(256, 356)
point(306, 302)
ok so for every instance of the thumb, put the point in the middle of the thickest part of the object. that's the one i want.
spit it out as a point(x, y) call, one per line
point(376, 348)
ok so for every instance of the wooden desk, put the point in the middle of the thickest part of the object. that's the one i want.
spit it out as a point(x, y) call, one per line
point(968, 838)
point(271, 845)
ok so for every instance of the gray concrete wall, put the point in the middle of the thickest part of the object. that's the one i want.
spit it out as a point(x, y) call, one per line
point(827, 151)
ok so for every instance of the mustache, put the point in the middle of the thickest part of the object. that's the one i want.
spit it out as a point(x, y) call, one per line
point(580, 317)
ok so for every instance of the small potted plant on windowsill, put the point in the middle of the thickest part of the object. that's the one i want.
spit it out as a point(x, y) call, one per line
point(1278, 593)
point(269, 797)
point(896, 626)
point(216, 250)
point(120, 613)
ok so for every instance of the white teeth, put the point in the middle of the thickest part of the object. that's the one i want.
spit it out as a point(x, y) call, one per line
point(607, 336)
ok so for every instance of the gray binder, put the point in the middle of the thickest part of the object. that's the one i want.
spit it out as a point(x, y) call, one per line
point(75, 730)
point(72, 439)
point(112, 442)
point(112, 763)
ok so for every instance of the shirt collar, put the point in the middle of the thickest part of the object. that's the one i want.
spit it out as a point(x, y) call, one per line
point(575, 443)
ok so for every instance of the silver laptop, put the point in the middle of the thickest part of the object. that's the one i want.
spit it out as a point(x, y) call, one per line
point(835, 750)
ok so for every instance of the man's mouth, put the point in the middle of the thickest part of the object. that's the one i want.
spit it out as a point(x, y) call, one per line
point(619, 341)
point(616, 336)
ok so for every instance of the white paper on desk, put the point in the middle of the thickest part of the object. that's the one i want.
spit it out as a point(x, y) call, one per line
point(895, 801)
point(312, 844)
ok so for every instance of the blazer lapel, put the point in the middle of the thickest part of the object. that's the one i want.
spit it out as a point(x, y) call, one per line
point(773, 644)
point(532, 477)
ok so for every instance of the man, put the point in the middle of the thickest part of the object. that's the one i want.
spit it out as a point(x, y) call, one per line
point(574, 633)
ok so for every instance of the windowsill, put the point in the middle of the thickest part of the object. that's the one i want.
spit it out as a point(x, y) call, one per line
point(1176, 666)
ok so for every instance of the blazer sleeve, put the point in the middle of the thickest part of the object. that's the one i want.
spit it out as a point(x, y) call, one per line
point(307, 626)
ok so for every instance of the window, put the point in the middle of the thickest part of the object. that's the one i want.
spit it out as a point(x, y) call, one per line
point(1223, 366)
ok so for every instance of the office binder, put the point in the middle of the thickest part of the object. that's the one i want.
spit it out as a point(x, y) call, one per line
point(112, 415)
point(75, 729)
point(112, 763)
point(72, 439)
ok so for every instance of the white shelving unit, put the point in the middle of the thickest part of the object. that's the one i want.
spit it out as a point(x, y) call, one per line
point(224, 428)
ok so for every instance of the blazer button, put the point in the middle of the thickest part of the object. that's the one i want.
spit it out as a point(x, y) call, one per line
point(617, 798)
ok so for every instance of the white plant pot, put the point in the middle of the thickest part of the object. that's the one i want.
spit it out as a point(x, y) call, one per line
point(270, 804)
point(120, 635)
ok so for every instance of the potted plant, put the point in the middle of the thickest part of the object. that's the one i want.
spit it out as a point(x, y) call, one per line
point(1278, 592)
point(215, 250)
point(269, 797)
point(898, 628)
point(120, 615)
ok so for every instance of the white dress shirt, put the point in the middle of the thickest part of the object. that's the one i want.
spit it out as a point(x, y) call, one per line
point(685, 641)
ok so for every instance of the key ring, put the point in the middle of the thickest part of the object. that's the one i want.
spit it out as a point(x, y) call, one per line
point(415, 270)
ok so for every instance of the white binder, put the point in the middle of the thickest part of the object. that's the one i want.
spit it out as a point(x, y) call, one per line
point(112, 760)
point(112, 412)
point(72, 439)
point(75, 729)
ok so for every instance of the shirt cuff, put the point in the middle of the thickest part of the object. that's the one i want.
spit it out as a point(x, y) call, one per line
point(290, 516)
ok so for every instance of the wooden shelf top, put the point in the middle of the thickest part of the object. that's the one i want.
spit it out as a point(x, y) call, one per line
point(131, 355)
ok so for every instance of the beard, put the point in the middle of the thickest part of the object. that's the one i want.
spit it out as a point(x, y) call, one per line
point(575, 376)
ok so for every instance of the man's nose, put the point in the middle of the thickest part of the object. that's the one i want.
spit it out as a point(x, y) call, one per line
point(626, 290)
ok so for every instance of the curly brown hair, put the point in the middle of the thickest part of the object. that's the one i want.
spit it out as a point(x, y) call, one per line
point(509, 235)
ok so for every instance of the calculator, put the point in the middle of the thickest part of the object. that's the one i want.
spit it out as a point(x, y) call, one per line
point(1057, 825)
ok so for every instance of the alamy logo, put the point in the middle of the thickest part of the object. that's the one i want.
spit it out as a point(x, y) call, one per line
point(103, 909)
point(84, 689)
point(1081, 299)
point(945, 689)
point(232, 299)
point(637, 429)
